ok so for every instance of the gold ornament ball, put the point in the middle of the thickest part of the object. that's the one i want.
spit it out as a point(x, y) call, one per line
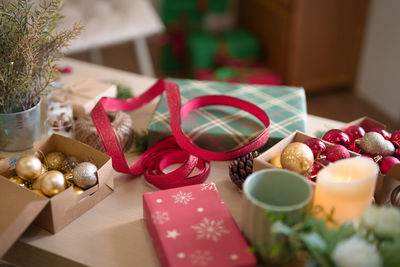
point(55, 160)
point(38, 192)
point(36, 183)
point(17, 180)
point(78, 190)
point(297, 157)
point(276, 161)
point(52, 183)
point(28, 167)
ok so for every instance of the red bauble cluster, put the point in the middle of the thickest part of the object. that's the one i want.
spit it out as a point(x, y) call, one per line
point(376, 144)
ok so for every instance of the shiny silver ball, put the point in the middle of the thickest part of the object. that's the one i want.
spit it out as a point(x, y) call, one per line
point(85, 175)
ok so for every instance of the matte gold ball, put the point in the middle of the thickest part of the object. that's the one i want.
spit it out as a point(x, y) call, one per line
point(276, 161)
point(52, 183)
point(28, 167)
point(38, 192)
point(36, 183)
point(55, 160)
point(297, 157)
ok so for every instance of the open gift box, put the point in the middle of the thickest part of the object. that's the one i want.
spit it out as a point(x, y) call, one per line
point(262, 161)
point(387, 186)
point(20, 206)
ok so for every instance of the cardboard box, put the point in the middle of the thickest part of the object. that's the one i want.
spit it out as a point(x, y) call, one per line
point(191, 226)
point(20, 206)
point(262, 161)
point(385, 184)
point(85, 93)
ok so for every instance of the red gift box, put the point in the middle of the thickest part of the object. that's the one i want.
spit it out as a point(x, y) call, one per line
point(191, 226)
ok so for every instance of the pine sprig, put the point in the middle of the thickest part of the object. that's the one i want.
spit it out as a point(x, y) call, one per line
point(29, 46)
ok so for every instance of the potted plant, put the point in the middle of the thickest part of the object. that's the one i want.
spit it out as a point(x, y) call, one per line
point(30, 45)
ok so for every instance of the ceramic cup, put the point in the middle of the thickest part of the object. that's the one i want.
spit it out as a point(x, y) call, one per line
point(270, 194)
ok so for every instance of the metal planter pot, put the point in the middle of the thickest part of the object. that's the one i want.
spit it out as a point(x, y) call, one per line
point(18, 131)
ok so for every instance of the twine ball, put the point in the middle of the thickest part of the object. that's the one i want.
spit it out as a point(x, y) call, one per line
point(85, 131)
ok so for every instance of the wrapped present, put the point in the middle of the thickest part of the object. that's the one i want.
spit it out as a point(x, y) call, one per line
point(191, 226)
point(255, 75)
point(220, 128)
point(85, 93)
point(207, 50)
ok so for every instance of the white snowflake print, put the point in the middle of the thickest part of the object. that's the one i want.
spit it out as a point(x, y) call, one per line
point(208, 186)
point(201, 257)
point(210, 229)
point(160, 217)
point(183, 197)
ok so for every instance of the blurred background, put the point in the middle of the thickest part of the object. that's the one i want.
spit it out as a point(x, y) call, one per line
point(344, 53)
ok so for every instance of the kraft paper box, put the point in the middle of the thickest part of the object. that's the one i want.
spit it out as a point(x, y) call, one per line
point(221, 128)
point(191, 226)
point(85, 93)
point(19, 206)
point(262, 161)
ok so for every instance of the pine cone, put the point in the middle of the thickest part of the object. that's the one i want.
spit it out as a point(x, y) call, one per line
point(241, 167)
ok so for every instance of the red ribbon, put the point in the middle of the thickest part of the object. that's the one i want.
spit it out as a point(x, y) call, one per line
point(177, 148)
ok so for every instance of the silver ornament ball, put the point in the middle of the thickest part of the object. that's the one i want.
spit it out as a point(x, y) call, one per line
point(375, 144)
point(85, 175)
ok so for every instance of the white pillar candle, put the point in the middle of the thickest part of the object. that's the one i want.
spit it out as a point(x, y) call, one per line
point(347, 186)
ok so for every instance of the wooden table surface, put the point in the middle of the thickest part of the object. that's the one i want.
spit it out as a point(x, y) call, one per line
point(113, 233)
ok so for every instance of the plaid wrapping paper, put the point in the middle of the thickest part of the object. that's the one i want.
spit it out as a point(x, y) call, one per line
point(221, 128)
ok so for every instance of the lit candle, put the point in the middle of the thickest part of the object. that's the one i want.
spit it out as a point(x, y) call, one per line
point(347, 186)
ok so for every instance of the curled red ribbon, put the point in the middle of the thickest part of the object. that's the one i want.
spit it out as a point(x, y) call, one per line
point(177, 148)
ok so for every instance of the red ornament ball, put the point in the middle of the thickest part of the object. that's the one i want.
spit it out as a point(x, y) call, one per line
point(395, 138)
point(354, 132)
point(382, 132)
point(338, 137)
point(368, 157)
point(316, 145)
point(336, 152)
point(397, 153)
point(387, 163)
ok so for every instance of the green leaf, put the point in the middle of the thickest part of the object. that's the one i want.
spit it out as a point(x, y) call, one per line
point(390, 253)
point(124, 92)
point(280, 228)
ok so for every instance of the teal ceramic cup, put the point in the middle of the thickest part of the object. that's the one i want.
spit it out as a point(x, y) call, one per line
point(270, 195)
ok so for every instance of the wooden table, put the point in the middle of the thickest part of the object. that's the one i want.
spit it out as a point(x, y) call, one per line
point(113, 233)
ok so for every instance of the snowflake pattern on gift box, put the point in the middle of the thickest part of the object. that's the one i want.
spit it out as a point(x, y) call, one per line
point(160, 217)
point(183, 197)
point(208, 186)
point(201, 257)
point(210, 229)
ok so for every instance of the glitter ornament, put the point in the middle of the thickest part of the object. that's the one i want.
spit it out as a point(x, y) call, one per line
point(382, 132)
point(354, 132)
point(276, 161)
point(54, 160)
point(28, 167)
point(336, 152)
point(297, 157)
point(69, 163)
point(52, 183)
point(316, 145)
point(85, 175)
point(374, 144)
point(387, 163)
point(338, 137)
point(395, 139)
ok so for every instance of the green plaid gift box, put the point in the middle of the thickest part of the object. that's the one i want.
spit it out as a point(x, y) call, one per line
point(221, 128)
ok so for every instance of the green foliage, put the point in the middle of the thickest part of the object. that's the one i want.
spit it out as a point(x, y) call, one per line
point(29, 46)
point(124, 92)
point(141, 142)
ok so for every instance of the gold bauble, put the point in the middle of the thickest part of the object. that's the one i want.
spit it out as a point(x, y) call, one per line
point(38, 192)
point(54, 160)
point(17, 180)
point(78, 190)
point(36, 183)
point(52, 183)
point(276, 161)
point(28, 167)
point(297, 157)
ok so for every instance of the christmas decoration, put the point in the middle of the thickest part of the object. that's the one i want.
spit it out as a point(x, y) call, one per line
point(276, 161)
point(387, 163)
point(397, 153)
point(375, 144)
point(38, 192)
point(28, 167)
point(69, 163)
point(52, 183)
point(395, 139)
point(316, 145)
point(297, 157)
point(241, 167)
point(336, 136)
point(354, 132)
point(78, 190)
point(54, 160)
point(17, 180)
point(84, 175)
point(36, 183)
point(382, 132)
point(395, 197)
point(316, 167)
point(336, 152)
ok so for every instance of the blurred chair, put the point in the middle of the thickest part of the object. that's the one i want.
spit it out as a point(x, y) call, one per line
point(109, 22)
